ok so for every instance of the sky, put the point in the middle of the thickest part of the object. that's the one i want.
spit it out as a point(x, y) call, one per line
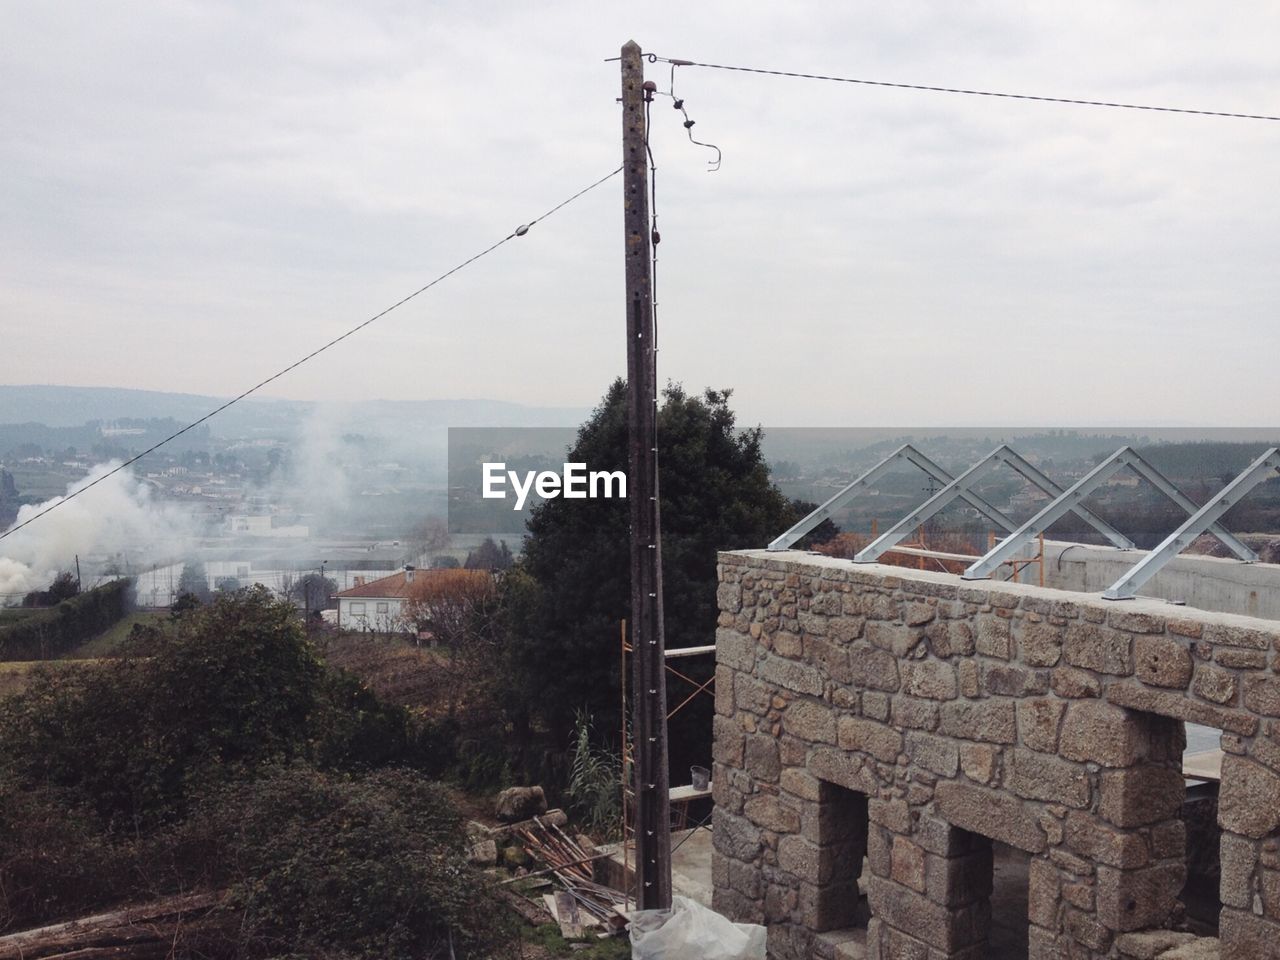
point(197, 194)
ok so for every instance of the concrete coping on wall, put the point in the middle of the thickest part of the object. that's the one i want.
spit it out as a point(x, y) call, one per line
point(1083, 571)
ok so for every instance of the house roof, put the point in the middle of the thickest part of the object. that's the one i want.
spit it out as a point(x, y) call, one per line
point(396, 586)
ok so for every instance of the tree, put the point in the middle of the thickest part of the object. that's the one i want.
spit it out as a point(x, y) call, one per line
point(490, 555)
point(447, 603)
point(360, 867)
point(64, 587)
point(226, 584)
point(9, 499)
point(313, 591)
point(716, 495)
point(194, 580)
point(227, 756)
point(183, 604)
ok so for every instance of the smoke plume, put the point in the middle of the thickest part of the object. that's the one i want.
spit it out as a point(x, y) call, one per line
point(102, 526)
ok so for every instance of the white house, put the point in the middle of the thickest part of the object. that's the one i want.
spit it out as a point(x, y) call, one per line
point(377, 605)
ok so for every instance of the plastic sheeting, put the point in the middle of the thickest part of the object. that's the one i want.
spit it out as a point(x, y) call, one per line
point(690, 931)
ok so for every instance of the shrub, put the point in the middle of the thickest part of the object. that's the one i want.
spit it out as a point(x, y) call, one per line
point(54, 860)
point(373, 866)
point(52, 632)
point(237, 687)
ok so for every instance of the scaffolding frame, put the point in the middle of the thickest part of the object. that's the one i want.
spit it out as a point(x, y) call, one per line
point(628, 760)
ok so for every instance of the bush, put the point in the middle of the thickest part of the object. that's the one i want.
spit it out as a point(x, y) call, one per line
point(354, 730)
point(373, 866)
point(238, 687)
point(54, 860)
point(231, 756)
point(52, 632)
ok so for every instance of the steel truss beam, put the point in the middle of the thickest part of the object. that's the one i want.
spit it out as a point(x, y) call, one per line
point(1002, 454)
point(911, 455)
point(1070, 498)
point(1201, 520)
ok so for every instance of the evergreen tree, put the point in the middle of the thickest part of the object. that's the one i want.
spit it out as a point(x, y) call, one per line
point(490, 555)
point(195, 581)
point(572, 586)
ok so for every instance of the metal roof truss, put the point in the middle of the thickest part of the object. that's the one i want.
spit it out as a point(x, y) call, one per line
point(1199, 519)
point(1002, 454)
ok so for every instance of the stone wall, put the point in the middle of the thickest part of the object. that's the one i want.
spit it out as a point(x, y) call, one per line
point(917, 717)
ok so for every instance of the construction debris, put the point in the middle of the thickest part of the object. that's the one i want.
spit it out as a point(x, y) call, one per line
point(585, 903)
point(556, 817)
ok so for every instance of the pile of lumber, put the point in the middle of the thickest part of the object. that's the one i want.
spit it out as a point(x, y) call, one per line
point(147, 932)
point(583, 903)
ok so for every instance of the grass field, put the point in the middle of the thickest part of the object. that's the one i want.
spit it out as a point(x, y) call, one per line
point(109, 641)
point(14, 674)
point(12, 615)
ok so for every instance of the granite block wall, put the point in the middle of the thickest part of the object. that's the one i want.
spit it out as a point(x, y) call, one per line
point(912, 718)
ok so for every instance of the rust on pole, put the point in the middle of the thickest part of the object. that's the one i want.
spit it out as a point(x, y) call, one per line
point(649, 699)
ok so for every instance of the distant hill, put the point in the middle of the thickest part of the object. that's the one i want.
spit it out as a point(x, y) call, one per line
point(60, 406)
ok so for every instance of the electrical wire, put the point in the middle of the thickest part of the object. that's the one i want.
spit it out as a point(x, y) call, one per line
point(519, 231)
point(675, 62)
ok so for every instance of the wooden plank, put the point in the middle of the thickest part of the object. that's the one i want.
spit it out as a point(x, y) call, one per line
point(568, 916)
point(672, 654)
point(1203, 765)
point(934, 554)
point(136, 926)
point(686, 793)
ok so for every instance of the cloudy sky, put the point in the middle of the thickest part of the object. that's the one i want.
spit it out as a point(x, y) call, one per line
point(195, 194)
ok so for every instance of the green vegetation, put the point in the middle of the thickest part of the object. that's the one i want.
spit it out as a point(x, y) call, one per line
point(548, 937)
point(194, 580)
point(232, 758)
point(54, 631)
point(375, 865)
point(572, 586)
point(115, 638)
point(595, 783)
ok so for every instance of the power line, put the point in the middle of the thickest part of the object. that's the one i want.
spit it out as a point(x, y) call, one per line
point(653, 58)
point(519, 231)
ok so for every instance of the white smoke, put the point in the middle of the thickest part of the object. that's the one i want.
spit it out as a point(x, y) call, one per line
point(118, 517)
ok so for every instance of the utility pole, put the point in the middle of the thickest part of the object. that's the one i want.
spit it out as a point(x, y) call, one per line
point(649, 725)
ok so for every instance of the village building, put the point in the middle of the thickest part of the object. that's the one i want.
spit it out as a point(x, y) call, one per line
point(378, 606)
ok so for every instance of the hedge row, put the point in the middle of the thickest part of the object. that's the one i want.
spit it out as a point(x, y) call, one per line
point(51, 633)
